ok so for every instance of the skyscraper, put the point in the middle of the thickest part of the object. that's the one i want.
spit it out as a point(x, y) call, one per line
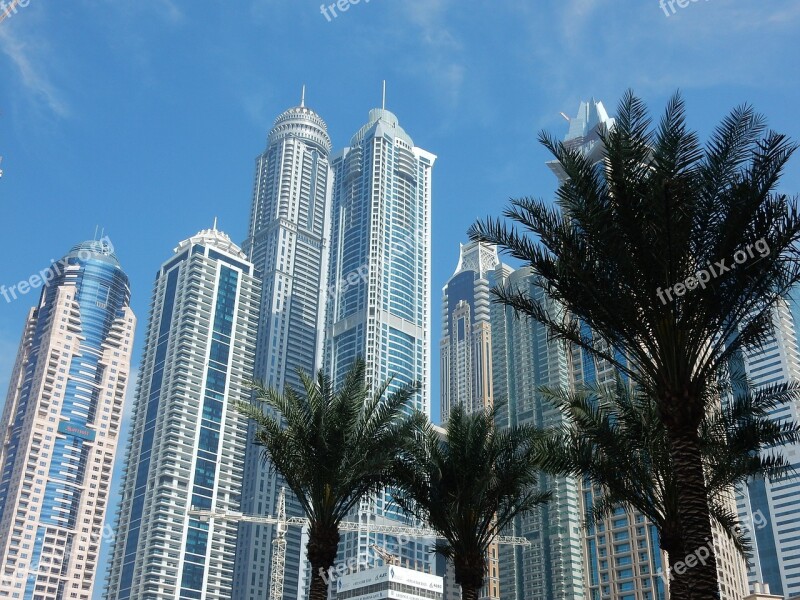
point(187, 441)
point(466, 358)
point(380, 280)
point(60, 427)
point(553, 566)
point(287, 243)
point(466, 345)
point(769, 508)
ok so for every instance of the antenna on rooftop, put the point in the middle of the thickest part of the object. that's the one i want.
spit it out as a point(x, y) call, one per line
point(384, 95)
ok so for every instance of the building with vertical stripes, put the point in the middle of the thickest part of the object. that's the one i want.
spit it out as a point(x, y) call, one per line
point(380, 284)
point(466, 369)
point(288, 244)
point(187, 440)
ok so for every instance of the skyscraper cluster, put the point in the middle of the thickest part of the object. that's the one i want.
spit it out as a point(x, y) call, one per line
point(336, 265)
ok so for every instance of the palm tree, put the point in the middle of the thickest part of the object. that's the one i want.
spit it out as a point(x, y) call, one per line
point(668, 258)
point(469, 485)
point(613, 437)
point(333, 447)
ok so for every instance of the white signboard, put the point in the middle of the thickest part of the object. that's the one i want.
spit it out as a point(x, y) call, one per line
point(385, 574)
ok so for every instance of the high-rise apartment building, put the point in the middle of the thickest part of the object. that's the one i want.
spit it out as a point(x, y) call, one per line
point(466, 345)
point(380, 282)
point(466, 359)
point(288, 244)
point(770, 508)
point(60, 427)
point(553, 566)
point(187, 441)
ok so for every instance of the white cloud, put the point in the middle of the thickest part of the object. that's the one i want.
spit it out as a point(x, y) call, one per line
point(25, 55)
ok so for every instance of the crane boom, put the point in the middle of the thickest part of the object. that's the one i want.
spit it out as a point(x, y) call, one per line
point(343, 526)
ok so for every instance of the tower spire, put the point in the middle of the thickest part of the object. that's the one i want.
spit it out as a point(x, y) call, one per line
point(303, 97)
point(215, 224)
point(383, 106)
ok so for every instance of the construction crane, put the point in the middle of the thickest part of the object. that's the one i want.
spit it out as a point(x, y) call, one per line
point(389, 558)
point(279, 551)
point(11, 8)
point(396, 530)
point(283, 523)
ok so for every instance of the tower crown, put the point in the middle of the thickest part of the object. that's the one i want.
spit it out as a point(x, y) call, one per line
point(304, 123)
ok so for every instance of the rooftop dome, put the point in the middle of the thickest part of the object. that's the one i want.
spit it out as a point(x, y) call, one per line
point(102, 250)
point(381, 120)
point(301, 122)
point(212, 238)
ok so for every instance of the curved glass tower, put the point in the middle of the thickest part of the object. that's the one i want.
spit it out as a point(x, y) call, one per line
point(60, 427)
point(287, 243)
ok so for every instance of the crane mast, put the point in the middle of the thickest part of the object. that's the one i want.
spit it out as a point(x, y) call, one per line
point(279, 550)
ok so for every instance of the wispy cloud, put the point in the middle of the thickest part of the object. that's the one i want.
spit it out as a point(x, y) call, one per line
point(26, 57)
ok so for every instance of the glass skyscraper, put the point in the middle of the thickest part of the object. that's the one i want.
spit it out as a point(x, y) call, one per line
point(287, 243)
point(60, 427)
point(380, 282)
point(187, 441)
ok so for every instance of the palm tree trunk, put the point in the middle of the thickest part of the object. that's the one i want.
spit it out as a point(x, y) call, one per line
point(698, 565)
point(678, 584)
point(323, 543)
point(470, 593)
point(469, 571)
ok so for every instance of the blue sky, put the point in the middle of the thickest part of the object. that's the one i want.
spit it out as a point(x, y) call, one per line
point(145, 117)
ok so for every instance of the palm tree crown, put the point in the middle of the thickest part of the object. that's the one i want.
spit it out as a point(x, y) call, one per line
point(469, 483)
point(669, 255)
point(333, 447)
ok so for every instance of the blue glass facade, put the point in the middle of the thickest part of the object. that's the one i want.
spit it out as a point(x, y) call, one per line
point(379, 277)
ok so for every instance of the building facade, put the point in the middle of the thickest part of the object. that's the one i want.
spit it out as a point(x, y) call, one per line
point(553, 566)
point(60, 427)
point(466, 360)
point(187, 441)
point(770, 508)
point(380, 283)
point(288, 244)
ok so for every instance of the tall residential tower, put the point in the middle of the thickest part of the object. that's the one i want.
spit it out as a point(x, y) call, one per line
point(187, 441)
point(287, 243)
point(466, 372)
point(380, 280)
point(770, 507)
point(60, 427)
